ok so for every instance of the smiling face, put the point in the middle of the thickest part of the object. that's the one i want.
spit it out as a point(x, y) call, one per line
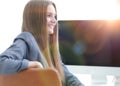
point(51, 18)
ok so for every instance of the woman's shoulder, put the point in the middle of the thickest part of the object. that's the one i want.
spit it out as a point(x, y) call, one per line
point(26, 36)
point(31, 43)
point(29, 39)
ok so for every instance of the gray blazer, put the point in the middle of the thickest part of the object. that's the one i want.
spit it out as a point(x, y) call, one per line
point(25, 49)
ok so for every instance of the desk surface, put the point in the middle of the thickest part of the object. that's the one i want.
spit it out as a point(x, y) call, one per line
point(96, 75)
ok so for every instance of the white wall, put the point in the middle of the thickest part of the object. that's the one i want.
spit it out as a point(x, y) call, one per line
point(10, 21)
point(88, 9)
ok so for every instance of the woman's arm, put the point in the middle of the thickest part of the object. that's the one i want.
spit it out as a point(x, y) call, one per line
point(12, 59)
point(22, 54)
point(34, 64)
point(71, 80)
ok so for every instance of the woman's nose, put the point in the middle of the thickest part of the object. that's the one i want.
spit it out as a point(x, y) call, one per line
point(53, 20)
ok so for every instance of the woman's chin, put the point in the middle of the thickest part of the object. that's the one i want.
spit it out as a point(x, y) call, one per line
point(51, 32)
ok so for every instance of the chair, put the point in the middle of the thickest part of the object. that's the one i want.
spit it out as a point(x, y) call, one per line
point(32, 77)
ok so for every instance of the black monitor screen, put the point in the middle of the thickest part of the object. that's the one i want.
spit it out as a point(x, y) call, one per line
point(90, 42)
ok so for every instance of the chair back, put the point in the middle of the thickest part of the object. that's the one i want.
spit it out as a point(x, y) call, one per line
point(32, 77)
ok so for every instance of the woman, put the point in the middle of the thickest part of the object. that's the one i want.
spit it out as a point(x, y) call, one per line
point(37, 46)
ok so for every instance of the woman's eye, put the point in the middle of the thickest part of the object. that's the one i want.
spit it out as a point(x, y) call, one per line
point(49, 15)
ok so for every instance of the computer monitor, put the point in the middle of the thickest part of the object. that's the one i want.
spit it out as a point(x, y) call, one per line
point(91, 46)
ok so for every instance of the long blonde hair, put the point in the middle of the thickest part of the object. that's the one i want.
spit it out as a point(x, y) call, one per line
point(34, 21)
